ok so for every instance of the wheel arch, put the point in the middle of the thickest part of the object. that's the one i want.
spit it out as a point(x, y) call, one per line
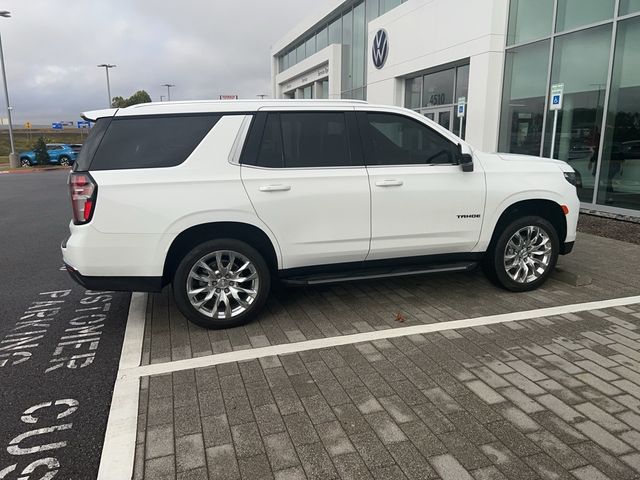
point(547, 209)
point(197, 234)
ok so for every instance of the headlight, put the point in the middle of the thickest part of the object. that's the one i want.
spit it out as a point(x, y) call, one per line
point(572, 178)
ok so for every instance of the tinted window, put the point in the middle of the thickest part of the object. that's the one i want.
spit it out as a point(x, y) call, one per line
point(91, 145)
point(398, 140)
point(270, 152)
point(151, 142)
point(316, 139)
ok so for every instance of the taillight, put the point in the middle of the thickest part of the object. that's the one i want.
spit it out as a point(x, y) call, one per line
point(83, 191)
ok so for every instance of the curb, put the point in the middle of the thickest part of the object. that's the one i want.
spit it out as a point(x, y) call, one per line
point(32, 170)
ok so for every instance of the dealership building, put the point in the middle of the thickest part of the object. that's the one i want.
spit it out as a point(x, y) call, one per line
point(498, 73)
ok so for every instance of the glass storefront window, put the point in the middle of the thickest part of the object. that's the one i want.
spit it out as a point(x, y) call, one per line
point(386, 5)
point(321, 39)
point(529, 20)
point(585, 82)
point(347, 41)
point(335, 31)
point(359, 45)
point(412, 91)
point(307, 92)
point(438, 88)
point(619, 182)
point(300, 53)
point(372, 9)
point(629, 6)
point(310, 46)
point(324, 89)
point(525, 84)
point(575, 13)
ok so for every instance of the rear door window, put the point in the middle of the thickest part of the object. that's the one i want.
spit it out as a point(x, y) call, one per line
point(315, 139)
point(150, 141)
point(303, 140)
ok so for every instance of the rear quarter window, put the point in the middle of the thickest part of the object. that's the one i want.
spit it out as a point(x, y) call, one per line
point(150, 141)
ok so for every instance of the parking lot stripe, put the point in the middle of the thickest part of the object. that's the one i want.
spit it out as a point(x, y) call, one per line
point(118, 451)
point(283, 349)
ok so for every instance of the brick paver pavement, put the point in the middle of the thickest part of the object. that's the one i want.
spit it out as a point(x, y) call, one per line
point(549, 398)
point(297, 314)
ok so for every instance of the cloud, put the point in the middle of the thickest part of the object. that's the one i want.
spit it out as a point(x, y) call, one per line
point(205, 48)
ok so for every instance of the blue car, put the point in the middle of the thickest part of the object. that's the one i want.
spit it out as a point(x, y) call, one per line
point(59, 154)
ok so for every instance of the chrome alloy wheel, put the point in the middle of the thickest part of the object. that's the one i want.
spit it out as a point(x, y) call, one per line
point(528, 254)
point(222, 284)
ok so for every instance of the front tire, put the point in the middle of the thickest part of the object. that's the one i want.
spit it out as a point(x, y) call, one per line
point(524, 255)
point(25, 163)
point(221, 283)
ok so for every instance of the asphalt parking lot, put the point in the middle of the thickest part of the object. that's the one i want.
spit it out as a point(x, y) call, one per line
point(431, 377)
point(59, 344)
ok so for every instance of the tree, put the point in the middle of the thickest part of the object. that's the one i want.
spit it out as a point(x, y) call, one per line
point(40, 149)
point(140, 96)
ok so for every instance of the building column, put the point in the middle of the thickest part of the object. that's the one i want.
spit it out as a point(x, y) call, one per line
point(485, 98)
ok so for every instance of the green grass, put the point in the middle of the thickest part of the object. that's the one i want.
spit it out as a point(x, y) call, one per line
point(25, 140)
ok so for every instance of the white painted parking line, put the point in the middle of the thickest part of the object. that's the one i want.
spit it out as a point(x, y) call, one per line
point(283, 349)
point(118, 453)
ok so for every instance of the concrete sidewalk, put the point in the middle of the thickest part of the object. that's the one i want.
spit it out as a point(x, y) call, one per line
point(552, 398)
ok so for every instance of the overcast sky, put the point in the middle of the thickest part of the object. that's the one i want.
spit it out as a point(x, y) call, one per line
point(204, 47)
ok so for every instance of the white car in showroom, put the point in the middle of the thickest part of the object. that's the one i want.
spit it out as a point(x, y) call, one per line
point(220, 198)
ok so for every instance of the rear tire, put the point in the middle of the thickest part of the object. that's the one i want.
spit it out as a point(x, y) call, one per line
point(524, 254)
point(65, 161)
point(221, 284)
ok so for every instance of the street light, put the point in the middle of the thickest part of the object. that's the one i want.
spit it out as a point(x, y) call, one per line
point(168, 85)
point(106, 67)
point(261, 96)
point(13, 157)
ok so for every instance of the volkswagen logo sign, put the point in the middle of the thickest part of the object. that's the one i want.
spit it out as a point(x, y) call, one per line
point(380, 48)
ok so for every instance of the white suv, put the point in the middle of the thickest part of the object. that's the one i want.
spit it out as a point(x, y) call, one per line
point(218, 198)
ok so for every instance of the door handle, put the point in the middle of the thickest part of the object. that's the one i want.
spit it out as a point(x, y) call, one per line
point(389, 183)
point(275, 188)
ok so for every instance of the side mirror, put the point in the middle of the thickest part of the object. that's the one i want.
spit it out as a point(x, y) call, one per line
point(466, 162)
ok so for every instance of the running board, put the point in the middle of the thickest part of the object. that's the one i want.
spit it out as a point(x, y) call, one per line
point(373, 273)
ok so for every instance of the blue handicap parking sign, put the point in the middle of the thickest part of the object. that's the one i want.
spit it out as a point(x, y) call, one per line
point(556, 99)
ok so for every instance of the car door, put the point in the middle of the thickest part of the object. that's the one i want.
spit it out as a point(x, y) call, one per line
point(54, 152)
point(305, 176)
point(422, 203)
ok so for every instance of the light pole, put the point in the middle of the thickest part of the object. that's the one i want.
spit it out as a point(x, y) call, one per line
point(13, 157)
point(168, 85)
point(261, 96)
point(106, 67)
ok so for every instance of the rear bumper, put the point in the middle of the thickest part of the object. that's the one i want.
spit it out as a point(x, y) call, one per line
point(118, 284)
